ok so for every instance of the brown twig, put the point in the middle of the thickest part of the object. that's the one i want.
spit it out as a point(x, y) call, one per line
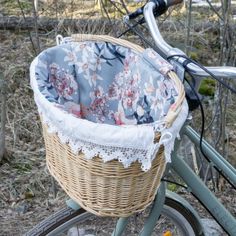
point(3, 117)
point(214, 10)
point(108, 17)
point(23, 15)
point(124, 6)
point(117, 8)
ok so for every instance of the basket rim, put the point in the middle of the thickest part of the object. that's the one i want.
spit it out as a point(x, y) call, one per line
point(173, 110)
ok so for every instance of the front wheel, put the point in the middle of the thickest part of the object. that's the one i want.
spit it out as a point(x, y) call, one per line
point(175, 221)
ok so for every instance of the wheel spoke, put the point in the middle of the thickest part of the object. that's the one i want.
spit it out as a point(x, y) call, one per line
point(174, 221)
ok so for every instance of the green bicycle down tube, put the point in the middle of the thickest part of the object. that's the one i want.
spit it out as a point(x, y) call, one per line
point(212, 154)
point(200, 190)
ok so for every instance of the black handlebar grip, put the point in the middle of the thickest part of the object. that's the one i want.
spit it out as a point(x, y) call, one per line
point(162, 7)
point(173, 2)
point(138, 12)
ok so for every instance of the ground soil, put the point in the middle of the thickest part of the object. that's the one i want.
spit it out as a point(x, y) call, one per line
point(28, 193)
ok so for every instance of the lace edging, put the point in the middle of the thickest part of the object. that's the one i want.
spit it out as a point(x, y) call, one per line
point(126, 156)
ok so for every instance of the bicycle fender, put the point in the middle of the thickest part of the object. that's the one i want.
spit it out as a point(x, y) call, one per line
point(185, 204)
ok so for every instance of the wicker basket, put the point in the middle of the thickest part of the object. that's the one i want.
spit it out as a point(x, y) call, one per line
point(106, 189)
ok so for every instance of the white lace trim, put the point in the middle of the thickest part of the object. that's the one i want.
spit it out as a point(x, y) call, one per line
point(124, 143)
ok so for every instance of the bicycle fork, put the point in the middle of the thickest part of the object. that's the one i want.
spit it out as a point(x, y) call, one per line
point(152, 218)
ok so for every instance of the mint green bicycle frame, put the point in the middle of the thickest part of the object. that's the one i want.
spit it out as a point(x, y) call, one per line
point(195, 185)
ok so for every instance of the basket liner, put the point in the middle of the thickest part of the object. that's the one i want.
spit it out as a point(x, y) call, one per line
point(107, 100)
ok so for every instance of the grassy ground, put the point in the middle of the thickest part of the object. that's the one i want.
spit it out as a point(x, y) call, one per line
point(27, 194)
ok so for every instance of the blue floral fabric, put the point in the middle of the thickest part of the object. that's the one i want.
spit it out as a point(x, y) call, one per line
point(106, 83)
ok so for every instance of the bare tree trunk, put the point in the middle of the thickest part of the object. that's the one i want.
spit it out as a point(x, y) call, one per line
point(2, 117)
point(35, 15)
point(189, 20)
point(227, 57)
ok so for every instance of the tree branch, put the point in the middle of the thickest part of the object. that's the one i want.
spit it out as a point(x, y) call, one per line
point(46, 24)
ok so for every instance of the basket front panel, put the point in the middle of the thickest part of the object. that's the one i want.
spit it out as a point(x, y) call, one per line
point(90, 183)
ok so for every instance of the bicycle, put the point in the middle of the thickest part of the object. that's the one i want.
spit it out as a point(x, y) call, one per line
point(181, 217)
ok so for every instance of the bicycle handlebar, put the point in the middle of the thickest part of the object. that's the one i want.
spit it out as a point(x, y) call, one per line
point(166, 50)
point(163, 5)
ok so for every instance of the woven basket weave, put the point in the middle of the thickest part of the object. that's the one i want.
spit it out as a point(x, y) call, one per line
point(106, 189)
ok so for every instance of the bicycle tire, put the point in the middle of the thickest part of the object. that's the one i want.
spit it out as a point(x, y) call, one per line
point(183, 216)
point(67, 217)
point(53, 221)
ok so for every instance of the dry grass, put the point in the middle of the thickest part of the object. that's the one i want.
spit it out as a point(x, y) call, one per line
point(25, 183)
point(26, 190)
point(27, 194)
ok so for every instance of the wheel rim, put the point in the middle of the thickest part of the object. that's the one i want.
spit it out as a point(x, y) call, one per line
point(171, 223)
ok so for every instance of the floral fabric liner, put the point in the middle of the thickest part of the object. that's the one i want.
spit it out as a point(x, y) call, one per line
point(105, 99)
